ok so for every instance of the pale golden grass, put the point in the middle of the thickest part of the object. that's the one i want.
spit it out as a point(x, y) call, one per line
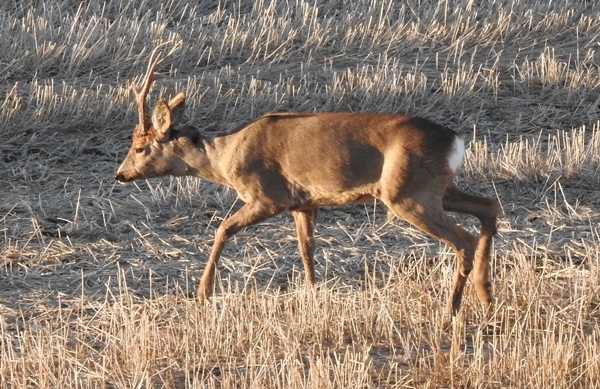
point(97, 281)
point(388, 333)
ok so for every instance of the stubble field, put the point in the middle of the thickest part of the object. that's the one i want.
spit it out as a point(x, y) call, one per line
point(98, 280)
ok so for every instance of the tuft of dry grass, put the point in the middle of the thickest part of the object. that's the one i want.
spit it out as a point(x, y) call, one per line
point(96, 279)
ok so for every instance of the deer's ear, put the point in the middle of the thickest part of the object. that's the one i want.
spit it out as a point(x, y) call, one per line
point(177, 107)
point(161, 117)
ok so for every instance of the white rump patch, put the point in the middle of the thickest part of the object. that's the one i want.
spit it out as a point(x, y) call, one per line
point(455, 157)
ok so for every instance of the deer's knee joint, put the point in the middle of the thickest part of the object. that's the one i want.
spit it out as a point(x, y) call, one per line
point(226, 231)
point(465, 268)
point(465, 264)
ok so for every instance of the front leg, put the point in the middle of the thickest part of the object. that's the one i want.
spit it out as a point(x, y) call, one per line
point(305, 226)
point(247, 215)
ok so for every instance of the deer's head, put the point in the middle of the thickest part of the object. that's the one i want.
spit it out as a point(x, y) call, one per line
point(153, 152)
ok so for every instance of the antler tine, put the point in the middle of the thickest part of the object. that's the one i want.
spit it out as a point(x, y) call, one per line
point(140, 95)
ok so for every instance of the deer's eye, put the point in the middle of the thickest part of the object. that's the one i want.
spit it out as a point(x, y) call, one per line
point(139, 150)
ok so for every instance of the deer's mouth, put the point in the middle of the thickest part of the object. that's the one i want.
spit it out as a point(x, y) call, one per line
point(122, 178)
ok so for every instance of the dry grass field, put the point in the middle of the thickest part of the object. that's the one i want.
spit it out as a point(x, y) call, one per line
point(97, 280)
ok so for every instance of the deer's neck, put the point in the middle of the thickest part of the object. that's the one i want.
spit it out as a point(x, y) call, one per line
point(200, 155)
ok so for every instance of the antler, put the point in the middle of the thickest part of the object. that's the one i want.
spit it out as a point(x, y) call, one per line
point(140, 96)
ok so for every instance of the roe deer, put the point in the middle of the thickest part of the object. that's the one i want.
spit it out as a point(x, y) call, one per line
point(297, 162)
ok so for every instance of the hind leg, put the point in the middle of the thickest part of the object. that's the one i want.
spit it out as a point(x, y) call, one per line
point(425, 212)
point(486, 210)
